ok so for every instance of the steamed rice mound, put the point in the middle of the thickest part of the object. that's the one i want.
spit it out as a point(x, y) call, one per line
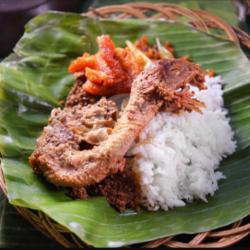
point(177, 156)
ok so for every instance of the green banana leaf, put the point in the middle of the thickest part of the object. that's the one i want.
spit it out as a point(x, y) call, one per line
point(34, 78)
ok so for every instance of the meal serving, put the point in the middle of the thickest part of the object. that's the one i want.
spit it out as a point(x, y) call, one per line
point(140, 127)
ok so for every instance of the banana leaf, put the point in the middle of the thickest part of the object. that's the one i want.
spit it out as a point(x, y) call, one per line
point(34, 79)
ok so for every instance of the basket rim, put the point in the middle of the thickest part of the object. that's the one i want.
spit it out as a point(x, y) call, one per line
point(200, 20)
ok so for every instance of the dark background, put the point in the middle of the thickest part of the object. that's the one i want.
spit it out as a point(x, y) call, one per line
point(14, 14)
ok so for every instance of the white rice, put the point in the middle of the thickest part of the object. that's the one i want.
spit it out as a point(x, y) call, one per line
point(177, 155)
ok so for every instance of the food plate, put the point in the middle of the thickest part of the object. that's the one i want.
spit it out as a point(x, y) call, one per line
point(34, 79)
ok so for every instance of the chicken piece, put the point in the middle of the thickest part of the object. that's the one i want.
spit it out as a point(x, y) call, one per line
point(163, 85)
point(75, 127)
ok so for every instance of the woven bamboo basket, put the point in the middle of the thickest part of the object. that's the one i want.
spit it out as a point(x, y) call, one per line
point(200, 20)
